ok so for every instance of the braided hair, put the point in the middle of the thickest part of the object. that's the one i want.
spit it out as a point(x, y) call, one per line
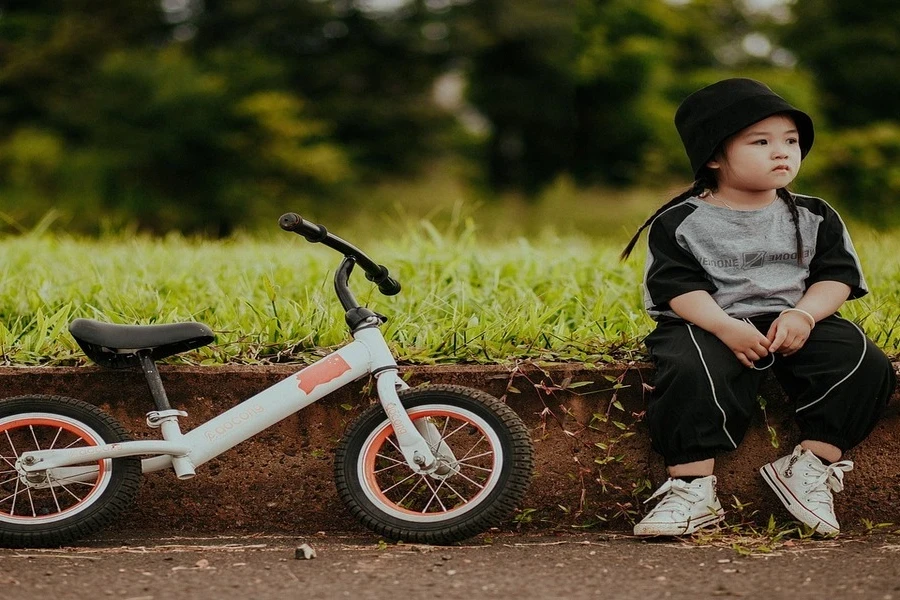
point(791, 202)
point(706, 181)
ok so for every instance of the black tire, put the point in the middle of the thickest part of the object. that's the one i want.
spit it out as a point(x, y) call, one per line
point(484, 479)
point(56, 511)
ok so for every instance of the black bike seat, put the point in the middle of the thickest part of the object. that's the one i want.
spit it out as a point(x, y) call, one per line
point(117, 346)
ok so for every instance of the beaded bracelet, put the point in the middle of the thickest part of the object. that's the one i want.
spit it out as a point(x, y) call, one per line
point(812, 319)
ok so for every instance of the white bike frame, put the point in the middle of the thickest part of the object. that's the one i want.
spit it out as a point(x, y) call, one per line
point(367, 354)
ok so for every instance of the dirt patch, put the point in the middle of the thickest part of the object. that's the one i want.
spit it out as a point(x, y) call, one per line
point(594, 463)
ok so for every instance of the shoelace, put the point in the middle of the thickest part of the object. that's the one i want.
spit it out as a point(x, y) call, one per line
point(678, 496)
point(829, 478)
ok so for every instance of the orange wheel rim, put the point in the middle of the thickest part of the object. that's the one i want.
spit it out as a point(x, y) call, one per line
point(89, 439)
point(375, 445)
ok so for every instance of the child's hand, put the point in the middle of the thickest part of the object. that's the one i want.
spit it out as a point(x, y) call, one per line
point(788, 333)
point(747, 343)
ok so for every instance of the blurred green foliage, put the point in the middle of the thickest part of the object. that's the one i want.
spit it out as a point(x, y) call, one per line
point(861, 167)
point(209, 115)
point(853, 50)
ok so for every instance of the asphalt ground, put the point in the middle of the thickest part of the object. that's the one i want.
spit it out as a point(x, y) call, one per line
point(503, 565)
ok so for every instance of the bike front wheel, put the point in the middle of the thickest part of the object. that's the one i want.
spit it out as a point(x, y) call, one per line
point(57, 506)
point(484, 457)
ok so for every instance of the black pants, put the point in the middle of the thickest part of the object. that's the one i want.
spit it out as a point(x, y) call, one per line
point(703, 397)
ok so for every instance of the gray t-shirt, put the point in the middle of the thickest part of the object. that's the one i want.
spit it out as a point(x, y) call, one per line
point(747, 260)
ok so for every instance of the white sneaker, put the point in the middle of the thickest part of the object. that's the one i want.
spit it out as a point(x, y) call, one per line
point(685, 508)
point(804, 486)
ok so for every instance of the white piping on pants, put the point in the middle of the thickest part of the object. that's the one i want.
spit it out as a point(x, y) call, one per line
point(712, 386)
point(847, 376)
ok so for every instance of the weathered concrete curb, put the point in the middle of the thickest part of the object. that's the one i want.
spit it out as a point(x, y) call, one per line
point(586, 469)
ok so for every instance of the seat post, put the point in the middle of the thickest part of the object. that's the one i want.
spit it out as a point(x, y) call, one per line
point(164, 417)
point(151, 374)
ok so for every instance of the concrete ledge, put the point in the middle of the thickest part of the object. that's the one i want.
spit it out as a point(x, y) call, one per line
point(594, 465)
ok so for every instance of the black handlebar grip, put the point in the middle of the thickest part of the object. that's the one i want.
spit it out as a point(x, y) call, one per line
point(387, 285)
point(311, 231)
point(290, 221)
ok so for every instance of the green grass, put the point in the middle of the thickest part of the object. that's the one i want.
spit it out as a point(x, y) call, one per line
point(467, 296)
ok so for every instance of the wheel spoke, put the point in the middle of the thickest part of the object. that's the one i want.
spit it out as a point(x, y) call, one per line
point(476, 467)
point(470, 480)
point(411, 490)
point(72, 480)
point(31, 501)
point(475, 445)
point(407, 478)
point(460, 496)
point(455, 431)
point(444, 430)
point(390, 458)
point(396, 464)
point(53, 493)
point(37, 444)
point(390, 440)
point(434, 496)
point(56, 437)
point(71, 493)
point(467, 457)
point(15, 497)
point(11, 445)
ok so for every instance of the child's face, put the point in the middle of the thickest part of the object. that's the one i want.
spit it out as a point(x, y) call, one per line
point(762, 157)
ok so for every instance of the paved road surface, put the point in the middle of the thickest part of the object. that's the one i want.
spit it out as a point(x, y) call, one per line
point(516, 566)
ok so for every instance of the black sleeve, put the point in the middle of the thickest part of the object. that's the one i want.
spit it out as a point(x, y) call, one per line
point(835, 258)
point(671, 269)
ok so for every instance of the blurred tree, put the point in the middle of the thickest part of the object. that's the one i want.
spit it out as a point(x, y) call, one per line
point(48, 51)
point(206, 114)
point(368, 72)
point(195, 115)
point(859, 170)
point(183, 147)
point(853, 54)
point(854, 51)
point(519, 69)
point(589, 87)
point(622, 66)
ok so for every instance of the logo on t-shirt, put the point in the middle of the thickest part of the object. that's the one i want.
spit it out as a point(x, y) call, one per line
point(753, 260)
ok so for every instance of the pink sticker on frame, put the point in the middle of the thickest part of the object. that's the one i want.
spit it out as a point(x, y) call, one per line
point(323, 371)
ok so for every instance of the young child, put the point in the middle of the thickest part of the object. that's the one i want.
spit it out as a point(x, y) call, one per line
point(743, 275)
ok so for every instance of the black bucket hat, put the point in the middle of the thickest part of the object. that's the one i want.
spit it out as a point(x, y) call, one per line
point(711, 115)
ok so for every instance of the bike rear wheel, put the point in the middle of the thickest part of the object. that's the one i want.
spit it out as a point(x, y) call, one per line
point(485, 462)
point(56, 506)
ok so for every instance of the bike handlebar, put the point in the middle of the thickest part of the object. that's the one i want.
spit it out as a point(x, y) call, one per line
point(314, 233)
point(297, 224)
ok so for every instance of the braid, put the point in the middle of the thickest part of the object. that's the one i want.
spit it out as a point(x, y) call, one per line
point(703, 182)
point(788, 198)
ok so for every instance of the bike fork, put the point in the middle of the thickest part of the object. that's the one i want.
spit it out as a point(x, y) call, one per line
point(412, 442)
